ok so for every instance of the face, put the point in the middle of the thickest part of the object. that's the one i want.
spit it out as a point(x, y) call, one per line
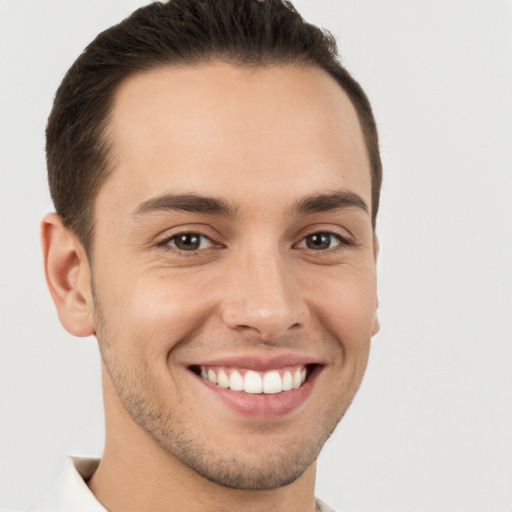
point(234, 267)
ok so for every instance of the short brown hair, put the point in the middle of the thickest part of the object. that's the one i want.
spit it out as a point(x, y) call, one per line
point(243, 32)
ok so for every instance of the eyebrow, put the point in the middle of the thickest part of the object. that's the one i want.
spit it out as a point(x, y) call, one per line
point(189, 203)
point(337, 200)
point(195, 203)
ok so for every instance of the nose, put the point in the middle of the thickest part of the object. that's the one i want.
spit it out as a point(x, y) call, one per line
point(262, 297)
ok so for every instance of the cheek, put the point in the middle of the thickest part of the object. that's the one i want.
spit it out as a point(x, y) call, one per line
point(345, 305)
point(153, 312)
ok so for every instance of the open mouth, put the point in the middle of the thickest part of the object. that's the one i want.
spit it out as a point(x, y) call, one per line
point(249, 381)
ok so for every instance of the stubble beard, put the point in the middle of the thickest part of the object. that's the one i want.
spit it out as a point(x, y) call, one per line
point(244, 471)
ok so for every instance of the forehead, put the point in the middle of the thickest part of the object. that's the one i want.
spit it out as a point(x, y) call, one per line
point(223, 129)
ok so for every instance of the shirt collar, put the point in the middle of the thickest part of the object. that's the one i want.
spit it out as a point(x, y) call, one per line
point(70, 492)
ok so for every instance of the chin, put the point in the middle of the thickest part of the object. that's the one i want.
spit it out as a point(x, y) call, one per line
point(266, 473)
point(248, 467)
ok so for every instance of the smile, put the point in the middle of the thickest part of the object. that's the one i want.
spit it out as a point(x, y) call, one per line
point(259, 388)
point(272, 381)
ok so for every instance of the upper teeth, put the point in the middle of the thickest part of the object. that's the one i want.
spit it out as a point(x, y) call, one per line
point(250, 381)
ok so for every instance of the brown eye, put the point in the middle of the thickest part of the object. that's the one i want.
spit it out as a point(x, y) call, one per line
point(189, 242)
point(320, 241)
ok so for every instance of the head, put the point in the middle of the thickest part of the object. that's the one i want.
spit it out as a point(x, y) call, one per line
point(215, 173)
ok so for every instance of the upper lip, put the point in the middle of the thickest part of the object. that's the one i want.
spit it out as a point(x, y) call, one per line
point(258, 362)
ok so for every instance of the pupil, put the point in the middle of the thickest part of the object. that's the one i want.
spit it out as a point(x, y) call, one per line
point(319, 241)
point(188, 242)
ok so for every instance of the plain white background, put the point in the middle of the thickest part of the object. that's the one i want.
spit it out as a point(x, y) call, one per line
point(431, 428)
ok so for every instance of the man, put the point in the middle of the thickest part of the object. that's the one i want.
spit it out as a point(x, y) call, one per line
point(216, 177)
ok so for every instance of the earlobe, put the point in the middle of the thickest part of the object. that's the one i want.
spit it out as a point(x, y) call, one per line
point(68, 276)
point(376, 325)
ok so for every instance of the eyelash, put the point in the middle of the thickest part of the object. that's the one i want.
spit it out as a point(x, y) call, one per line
point(343, 242)
point(167, 241)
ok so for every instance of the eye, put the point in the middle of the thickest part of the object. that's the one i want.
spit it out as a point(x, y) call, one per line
point(322, 241)
point(189, 242)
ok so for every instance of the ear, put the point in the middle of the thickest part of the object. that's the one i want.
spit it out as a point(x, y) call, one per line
point(376, 246)
point(68, 276)
point(376, 249)
point(376, 324)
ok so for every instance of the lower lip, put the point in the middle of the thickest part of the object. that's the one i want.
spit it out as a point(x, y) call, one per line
point(262, 405)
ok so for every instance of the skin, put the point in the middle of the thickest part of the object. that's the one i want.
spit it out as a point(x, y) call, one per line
point(260, 140)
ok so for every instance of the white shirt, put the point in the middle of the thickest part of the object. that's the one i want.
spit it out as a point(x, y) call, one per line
point(71, 494)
